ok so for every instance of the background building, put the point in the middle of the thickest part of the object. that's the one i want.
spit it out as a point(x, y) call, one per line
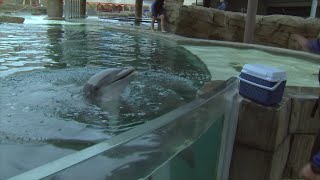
point(267, 7)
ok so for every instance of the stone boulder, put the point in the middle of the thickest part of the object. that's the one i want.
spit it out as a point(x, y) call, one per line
point(11, 19)
point(171, 16)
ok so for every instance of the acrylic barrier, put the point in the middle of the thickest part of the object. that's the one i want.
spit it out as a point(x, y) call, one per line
point(194, 141)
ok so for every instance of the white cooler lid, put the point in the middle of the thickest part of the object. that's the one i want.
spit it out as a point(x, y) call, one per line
point(265, 72)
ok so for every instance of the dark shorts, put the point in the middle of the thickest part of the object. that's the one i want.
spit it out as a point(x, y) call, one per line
point(157, 13)
point(157, 9)
point(314, 45)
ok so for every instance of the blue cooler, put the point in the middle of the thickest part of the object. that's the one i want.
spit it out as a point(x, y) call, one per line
point(262, 84)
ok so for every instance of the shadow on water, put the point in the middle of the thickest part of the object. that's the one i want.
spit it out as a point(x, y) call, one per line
point(55, 34)
point(67, 45)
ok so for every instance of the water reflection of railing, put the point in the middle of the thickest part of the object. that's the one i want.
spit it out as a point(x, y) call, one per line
point(72, 9)
point(140, 152)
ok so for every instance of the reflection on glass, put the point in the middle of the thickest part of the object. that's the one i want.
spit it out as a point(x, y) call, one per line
point(186, 139)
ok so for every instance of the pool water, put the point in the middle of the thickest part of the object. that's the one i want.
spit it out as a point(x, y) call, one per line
point(67, 55)
point(43, 68)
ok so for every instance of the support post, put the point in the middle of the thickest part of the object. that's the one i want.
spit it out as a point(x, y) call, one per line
point(55, 10)
point(313, 10)
point(250, 21)
point(83, 8)
point(206, 3)
point(78, 2)
point(138, 11)
point(72, 9)
point(77, 8)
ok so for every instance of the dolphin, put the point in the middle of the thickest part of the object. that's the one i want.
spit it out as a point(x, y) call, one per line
point(105, 88)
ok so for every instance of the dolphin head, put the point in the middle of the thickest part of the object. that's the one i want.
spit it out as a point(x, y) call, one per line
point(107, 77)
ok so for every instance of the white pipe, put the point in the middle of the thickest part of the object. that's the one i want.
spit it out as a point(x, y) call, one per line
point(76, 9)
point(65, 9)
point(69, 9)
point(79, 5)
point(77, 2)
point(313, 10)
point(72, 8)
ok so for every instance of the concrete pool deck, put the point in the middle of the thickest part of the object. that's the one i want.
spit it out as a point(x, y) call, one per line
point(223, 59)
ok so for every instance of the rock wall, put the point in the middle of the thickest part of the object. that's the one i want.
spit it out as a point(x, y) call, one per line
point(172, 14)
point(209, 23)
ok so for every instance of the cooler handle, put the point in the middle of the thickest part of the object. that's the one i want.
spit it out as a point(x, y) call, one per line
point(261, 86)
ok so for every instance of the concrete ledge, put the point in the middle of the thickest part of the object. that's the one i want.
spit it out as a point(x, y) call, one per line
point(11, 19)
point(261, 127)
point(55, 18)
point(299, 155)
point(301, 120)
point(253, 164)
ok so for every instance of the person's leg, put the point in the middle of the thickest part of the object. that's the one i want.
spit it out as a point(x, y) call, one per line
point(162, 22)
point(152, 23)
point(307, 173)
point(313, 46)
point(159, 26)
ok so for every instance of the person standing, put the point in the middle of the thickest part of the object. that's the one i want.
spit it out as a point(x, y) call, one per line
point(311, 171)
point(308, 45)
point(222, 5)
point(157, 13)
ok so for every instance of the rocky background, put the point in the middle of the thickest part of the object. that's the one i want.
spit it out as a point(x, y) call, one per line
point(209, 23)
point(12, 7)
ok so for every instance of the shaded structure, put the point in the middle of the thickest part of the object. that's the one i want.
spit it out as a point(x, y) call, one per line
point(83, 8)
point(68, 9)
point(314, 7)
point(55, 10)
point(250, 21)
point(120, 6)
point(286, 7)
point(138, 12)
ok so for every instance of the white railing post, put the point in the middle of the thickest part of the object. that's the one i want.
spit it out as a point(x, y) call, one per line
point(313, 10)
